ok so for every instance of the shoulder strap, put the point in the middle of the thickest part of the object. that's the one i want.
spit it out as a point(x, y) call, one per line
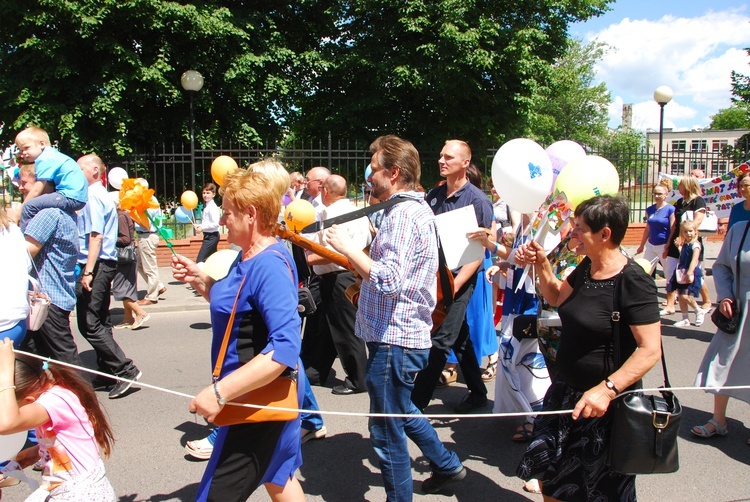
point(617, 317)
point(320, 225)
point(227, 332)
point(739, 254)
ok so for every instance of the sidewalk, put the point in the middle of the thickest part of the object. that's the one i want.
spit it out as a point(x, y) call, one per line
point(178, 298)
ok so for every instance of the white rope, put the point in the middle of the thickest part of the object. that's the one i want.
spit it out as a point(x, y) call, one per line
point(436, 416)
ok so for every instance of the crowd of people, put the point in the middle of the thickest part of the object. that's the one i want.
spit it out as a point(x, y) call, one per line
point(411, 329)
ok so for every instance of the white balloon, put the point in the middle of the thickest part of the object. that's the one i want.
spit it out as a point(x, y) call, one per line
point(217, 265)
point(11, 444)
point(522, 174)
point(115, 177)
point(562, 153)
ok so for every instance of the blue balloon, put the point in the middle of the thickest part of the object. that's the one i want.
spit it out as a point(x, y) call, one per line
point(368, 172)
point(183, 215)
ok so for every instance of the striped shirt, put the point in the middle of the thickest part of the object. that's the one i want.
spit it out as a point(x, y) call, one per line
point(396, 304)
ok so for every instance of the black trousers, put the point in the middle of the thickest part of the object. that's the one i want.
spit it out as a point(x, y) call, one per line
point(336, 334)
point(312, 326)
point(208, 246)
point(54, 339)
point(452, 334)
point(94, 323)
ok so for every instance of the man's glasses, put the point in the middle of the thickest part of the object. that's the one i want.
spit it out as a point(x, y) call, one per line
point(307, 182)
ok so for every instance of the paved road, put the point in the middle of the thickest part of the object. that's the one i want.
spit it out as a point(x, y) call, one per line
point(151, 427)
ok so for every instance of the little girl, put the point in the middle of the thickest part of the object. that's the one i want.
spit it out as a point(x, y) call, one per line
point(70, 426)
point(688, 278)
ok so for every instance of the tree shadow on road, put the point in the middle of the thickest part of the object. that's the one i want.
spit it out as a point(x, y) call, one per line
point(733, 445)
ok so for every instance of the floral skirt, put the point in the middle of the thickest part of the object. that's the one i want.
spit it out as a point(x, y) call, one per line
point(570, 456)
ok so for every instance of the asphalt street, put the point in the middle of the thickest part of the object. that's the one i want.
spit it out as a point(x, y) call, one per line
point(151, 427)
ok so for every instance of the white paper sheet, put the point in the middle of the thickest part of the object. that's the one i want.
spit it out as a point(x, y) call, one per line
point(452, 229)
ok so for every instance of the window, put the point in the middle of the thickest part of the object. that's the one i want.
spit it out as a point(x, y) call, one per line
point(718, 145)
point(679, 145)
point(698, 145)
point(677, 167)
point(718, 167)
point(698, 164)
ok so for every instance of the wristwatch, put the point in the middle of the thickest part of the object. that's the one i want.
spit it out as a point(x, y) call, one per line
point(219, 399)
point(86, 274)
point(610, 385)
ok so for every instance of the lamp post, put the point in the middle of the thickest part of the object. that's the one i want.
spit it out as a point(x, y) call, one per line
point(192, 82)
point(662, 95)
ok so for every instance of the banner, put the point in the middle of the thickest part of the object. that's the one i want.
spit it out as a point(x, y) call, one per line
point(719, 193)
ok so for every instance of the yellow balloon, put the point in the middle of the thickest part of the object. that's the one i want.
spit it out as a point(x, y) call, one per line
point(587, 177)
point(222, 165)
point(298, 214)
point(189, 200)
point(217, 265)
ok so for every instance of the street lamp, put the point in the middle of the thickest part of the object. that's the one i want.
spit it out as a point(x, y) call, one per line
point(662, 95)
point(192, 82)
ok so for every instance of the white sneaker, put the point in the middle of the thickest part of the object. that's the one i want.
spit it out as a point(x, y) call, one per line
point(200, 449)
point(682, 324)
point(700, 316)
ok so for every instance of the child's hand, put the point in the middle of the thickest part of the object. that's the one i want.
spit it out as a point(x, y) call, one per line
point(7, 362)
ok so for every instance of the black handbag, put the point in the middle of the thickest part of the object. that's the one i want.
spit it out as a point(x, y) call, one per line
point(729, 325)
point(306, 306)
point(643, 436)
point(126, 254)
point(524, 326)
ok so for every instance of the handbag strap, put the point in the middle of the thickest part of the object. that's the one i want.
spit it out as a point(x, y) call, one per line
point(227, 332)
point(737, 273)
point(617, 317)
point(38, 276)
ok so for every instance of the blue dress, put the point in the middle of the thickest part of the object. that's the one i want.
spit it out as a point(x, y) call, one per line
point(686, 256)
point(266, 319)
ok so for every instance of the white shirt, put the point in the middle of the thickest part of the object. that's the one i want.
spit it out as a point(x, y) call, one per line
point(210, 218)
point(15, 264)
point(359, 231)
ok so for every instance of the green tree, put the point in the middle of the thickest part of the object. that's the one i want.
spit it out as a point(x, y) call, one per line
point(736, 116)
point(626, 149)
point(568, 105)
point(741, 86)
point(431, 70)
point(104, 75)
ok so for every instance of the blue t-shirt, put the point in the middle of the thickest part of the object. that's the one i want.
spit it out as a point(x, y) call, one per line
point(658, 224)
point(64, 172)
point(738, 214)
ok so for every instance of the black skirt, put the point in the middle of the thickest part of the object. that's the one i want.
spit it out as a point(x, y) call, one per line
point(569, 456)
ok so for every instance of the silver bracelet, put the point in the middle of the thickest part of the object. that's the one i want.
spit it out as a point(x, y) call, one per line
point(9, 387)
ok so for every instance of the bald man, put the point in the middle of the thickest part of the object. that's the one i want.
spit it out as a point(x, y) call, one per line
point(336, 329)
point(456, 193)
point(97, 258)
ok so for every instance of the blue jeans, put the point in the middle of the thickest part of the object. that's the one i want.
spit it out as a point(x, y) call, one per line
point(48, 200)
point(391, 371)
point(310, 421)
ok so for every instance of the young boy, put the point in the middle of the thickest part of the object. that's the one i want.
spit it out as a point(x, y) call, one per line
point(71, 187)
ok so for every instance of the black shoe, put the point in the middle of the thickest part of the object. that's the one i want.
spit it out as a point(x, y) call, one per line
point(470, 403)
point(343, 390)
point(122, 387)
point(102, 383)
point(438, 481)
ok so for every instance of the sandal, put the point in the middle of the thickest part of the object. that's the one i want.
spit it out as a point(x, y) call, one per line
point(664, 312)
point(447, 377)
point(523, 433)
point(532, 486)
point(702, 431)
point(490, 372)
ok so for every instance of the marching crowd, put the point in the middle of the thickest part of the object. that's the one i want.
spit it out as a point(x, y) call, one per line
point(413, 324)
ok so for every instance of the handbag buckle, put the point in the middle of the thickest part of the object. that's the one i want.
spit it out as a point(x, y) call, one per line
point(660, 419)
point(616, 316)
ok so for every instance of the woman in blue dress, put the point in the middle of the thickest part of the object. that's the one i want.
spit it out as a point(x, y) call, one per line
point(264, 344)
